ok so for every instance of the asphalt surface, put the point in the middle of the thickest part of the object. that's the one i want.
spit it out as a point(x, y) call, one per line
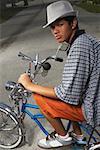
point(24, 33)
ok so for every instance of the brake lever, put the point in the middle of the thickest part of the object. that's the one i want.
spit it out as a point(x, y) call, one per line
point(24, 57)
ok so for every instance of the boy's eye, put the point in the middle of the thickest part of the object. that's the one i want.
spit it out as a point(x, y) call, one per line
point(57, 24)
point(60, 24)
point(52, 27)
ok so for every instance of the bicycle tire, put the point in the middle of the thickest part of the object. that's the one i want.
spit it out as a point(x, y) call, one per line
point(95, 147)
point(11, 133)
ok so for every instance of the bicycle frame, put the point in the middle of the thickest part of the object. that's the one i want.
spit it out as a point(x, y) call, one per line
point(34, 117)
point(37, 116)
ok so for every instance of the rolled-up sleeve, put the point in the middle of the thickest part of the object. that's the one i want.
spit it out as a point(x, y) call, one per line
point(76, 72)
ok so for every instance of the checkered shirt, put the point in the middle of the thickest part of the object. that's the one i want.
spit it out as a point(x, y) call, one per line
point(81, 77)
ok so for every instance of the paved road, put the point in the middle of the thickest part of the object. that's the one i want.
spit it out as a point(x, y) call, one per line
point(24, 33)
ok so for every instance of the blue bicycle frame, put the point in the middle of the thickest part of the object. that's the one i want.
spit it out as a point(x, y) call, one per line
point(37, 116)
point(34, 117)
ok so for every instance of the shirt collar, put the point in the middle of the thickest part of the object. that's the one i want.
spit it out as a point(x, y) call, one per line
point(77, 34)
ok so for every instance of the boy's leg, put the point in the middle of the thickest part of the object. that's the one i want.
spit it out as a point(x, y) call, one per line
point(76, 128)
point(53, 110)
point(56, 124)
point(77, 134)
point(59, 127)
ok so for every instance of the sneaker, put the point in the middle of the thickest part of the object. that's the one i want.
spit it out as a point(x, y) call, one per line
point(54, 140)
point(79, 139)
point(95, 146)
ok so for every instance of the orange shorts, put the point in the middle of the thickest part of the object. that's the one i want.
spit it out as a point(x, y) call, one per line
point(59, 109)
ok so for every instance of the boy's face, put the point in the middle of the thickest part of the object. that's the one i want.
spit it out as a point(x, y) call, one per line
point(61, 30)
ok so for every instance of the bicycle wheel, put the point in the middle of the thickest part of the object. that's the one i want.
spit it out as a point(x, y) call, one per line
point(11, 134)
point(95, 147)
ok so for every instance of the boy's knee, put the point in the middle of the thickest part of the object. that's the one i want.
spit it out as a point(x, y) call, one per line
point(38, 98)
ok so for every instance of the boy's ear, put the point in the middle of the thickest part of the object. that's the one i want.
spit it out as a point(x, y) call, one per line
point(74, 23)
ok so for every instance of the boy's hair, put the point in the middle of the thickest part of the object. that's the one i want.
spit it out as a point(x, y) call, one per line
point(70, 20)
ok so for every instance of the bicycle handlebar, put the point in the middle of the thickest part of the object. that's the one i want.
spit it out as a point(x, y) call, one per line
point(38, 64)
point(25, 57)
point(17, 90)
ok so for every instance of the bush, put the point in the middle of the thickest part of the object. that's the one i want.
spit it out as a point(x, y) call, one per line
point(90, 7)
point(96, 1)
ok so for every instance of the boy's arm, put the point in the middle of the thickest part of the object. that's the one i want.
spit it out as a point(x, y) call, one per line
point(42, 90)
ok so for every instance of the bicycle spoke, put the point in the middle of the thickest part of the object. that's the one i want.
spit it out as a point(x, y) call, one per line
point(10, 131)
point(8, 137)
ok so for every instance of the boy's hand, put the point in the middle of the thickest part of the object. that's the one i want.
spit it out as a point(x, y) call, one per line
point(25, 80)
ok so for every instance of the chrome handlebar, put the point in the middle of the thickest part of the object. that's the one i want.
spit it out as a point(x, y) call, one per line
point(17, 91)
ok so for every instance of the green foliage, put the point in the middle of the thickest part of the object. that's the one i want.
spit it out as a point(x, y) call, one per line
point(96, 1)
point(91, 1)
point(91, 7)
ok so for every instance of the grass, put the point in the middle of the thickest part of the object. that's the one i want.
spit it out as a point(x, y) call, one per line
point(90, 7)
point(7, 13)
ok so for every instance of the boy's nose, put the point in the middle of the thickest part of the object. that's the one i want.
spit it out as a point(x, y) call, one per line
point(56, 30)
